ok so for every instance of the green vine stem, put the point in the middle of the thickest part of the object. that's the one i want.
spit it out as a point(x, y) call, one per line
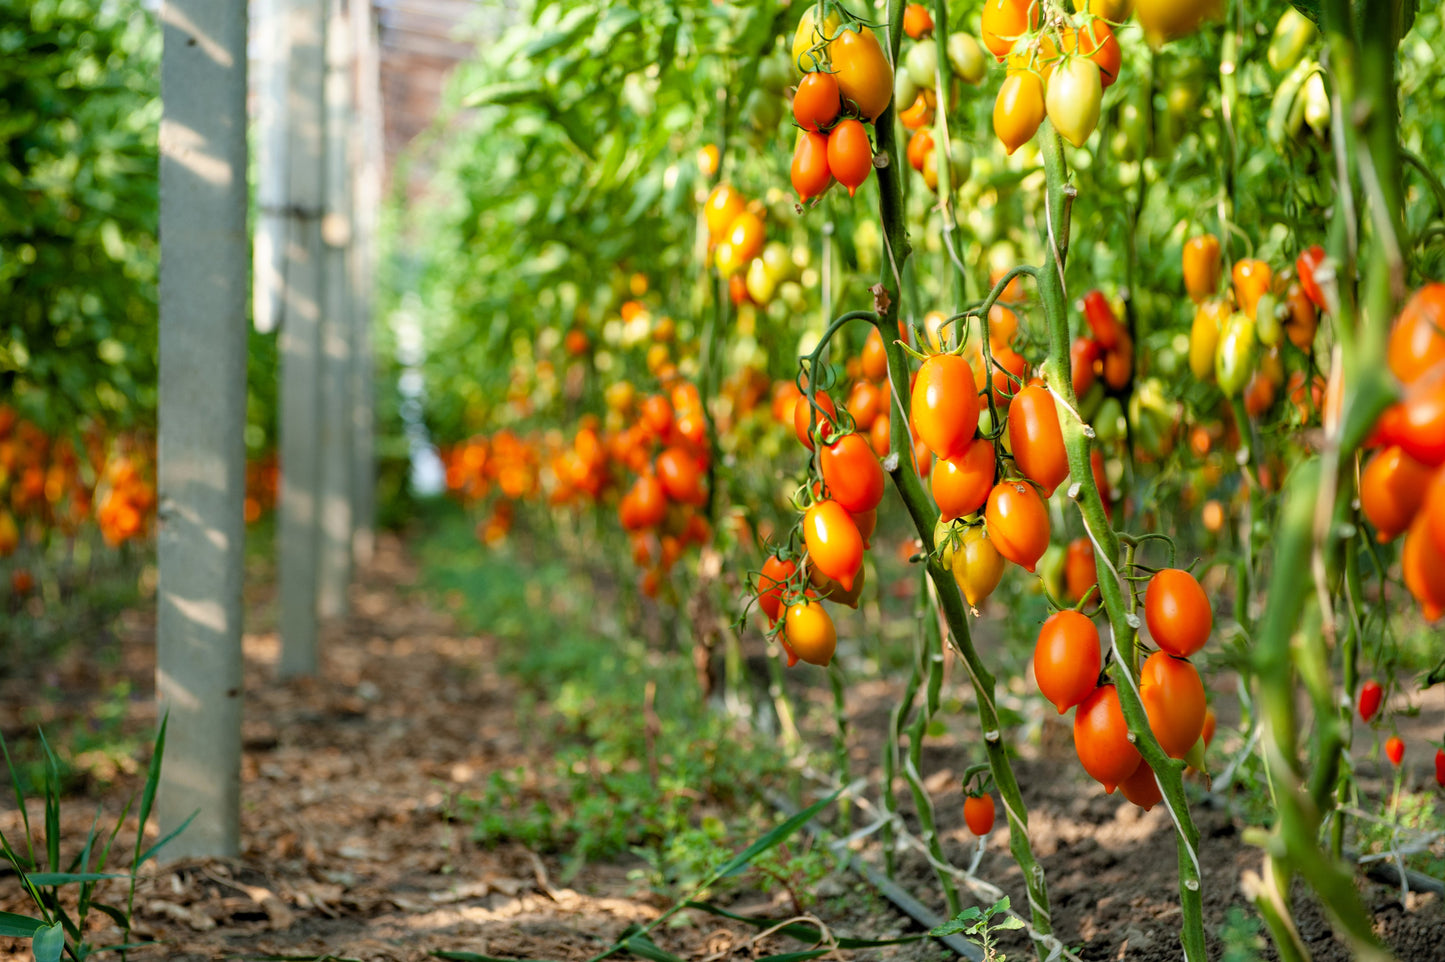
point(920, 509)
point(931, 653)
point(1085, 493)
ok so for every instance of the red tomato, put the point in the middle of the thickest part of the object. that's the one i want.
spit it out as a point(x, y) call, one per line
point(1018, 523)
point(978, 813)
point(1371, 694)
point(680, 477)
point(834, 544)
point(1081, 570)
point(1173, 697)
point(1305, 266)
point(850, 155)
point(961, 485)
point(1067, 661)
point(1036, 439)
point(944, 405)
point(1393, 486)
point(1102, 321)
point(1395, 750)
point(1083, 356)
point(1434, 511)
point(1417, 339)
point(816, 102)
point(1440, 767)
point(852, 473)
point(810, 172)
point(1417, 424)
point(1142, 788)
point(1101, 738)
point(771, 583)
point(1179, 615)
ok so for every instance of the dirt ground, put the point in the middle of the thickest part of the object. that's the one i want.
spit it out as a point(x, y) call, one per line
point(350, 850)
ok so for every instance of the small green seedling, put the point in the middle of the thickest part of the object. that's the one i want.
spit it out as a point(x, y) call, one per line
point(978, 926)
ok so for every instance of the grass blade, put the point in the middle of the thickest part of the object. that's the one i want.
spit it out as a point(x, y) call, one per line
point(14, 926)
point(772, 839)
point(150, 852)
point(643, 947)
point(68, 878)
point(153, 780)
point(52, 805)
point(19, 801)
point(117, 915)
point(100, 862)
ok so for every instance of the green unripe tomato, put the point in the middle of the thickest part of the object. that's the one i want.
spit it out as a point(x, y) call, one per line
point(967, 58)
point(922, 63)
point(1234, 358)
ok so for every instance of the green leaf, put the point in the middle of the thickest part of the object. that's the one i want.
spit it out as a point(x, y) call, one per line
point(48, 943)
point(14, 926)
point(504, 93)
point(772, 839)
point(19, 798)
point(117, 915)
point(557, 38)
point(150, 852)
point(69, 878)
point(153, 780)
point(1010, 922)
point(643, 947)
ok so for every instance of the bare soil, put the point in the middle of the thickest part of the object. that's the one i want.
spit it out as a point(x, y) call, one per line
point(351, 850)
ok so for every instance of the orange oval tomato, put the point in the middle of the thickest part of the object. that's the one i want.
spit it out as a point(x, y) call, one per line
point(1101, 739)
point(680, 477)
point(1019, 109)
point(1173, 697)
point(1393, 486)
point(917, 21)
point(864, 74)
point(944, 405)
point(657, 414)
point(1201, 267)
point(647, 506)
point(852, 473)
point(834, 544)
point(772, 582)
point(1004, 21)
point(1417, 423)
point(1417, 339)
point(850, 155)
point(979, 814)
point(1003, 326)
point(803, 415)
point(875, 358)
point(977, 565)
point(961, 485)
point(1036, 439)
point(1142, 788)
point(810, 173)
point(1018, 523)
point(747, 235)
point(811, 634)
point(1081, 570)
point(865, 402)
point(880, 436)
point(1423, 565)
point(919, 114)
point(1252, 278)
point(920, 145)
point(1067, 660)
point(816, 102)
point(1434, 511)
point(1178, 613)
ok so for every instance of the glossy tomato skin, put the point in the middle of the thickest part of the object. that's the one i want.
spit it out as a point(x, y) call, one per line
point(1371, 695)
point(977, 565)
point(810, 633)
point(1142, 788)
point(771, 584)
point(1084, 355)
point(1393, 486)
point(834, 544)
point(1395, 750)
point(1073, 99)
point(961, 485)
point(1173, 697)
point(944, 405)
point(1102, 320)
point(1423, 566)
point(850, 155)
point(1081, 570)
point(1178, 612)
point(1036, 439)
point(1417, 338)
point(1252, 278)
point(852, 473)
point(1067, 660)
point(680, 477)
point(1419, 427)
point(864, 74)
point(1434, 511)
point(1101, 739)
point(810, 173)
point(979, 814)
point(1201, 267)
point(1005, 20)
point(1018, 523)
point(917, 21)
point(816, 103)
point(1019, 109)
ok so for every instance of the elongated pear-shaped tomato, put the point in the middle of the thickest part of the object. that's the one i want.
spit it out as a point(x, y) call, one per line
point(852, 473)
point(834, 544)
point(1036, 439)
point(1018, 523)
point(961, 485)
point(1067, 659)
point(944, 405)
point(1101, 738)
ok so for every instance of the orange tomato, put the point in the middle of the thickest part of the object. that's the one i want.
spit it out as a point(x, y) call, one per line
point(917, 21)
point(875, 357)
point(1393, 486)
point(1101, 739)
point(1081, 570)
point(1251, 279)
point(1201, 267)
point(1004, 21)
point(852, 473)
point(816, 102)
point(804, 414)
point(1142, 788)
point(961, 485)
point(1067, 660)
point(834, 545)
point(810, 173)
point(1019, 109)
point(810, 633)
point(1173, 697)
point(863, 71)
point(1417, 339)
point(944, 405)
point(850, 155)
point(1036, 439)
point(1018, 523)
point(1177, 612)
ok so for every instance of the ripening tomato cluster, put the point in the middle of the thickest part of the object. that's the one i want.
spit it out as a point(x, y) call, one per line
point(847, 82)
point(1402, 486)
point(915, 92)
point(45, 483)
point(1068, 668)
point(1238, 337)
point(1368, 701)
point(735, 230)
point(1106, 356)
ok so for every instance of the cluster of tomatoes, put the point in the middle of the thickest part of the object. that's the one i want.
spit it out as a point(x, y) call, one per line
point(847, 82)
point(1368, 701)
point(1402, 486)
point(1106, 355)
point(735, 230)
point(1068, 664)
point(1237, 339)
point(915, 92)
